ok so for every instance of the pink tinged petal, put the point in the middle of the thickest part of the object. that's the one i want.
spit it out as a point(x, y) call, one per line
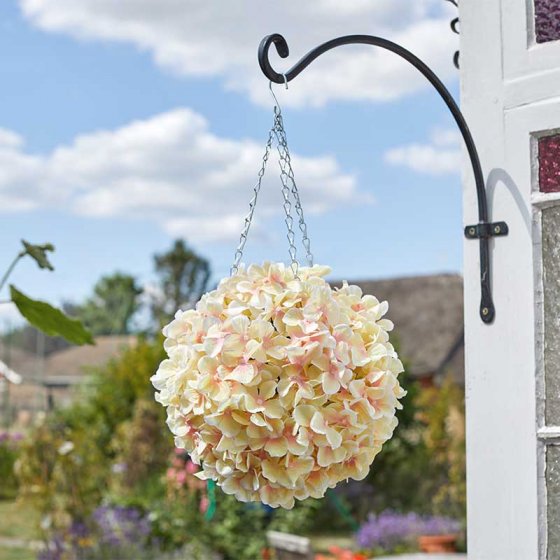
point(225, 423)
point(303, 436)
point(244, 373)
point(241, 417)
point(327, 456)
point(293, 317)
point(334, 438)
point(330, 383)
point(261, 329)
point(213, 345)
point(273, 408)
point(317, 483)
point(207, 365)
point(386, 325)
point(318, 424)
point(239, 324)
point(306, 391)
point(271, 470)
point(284, 386)
point(378, 352)
point(303, 414)
point(181, 431)
point(341, 352)
point(260, 420)
point(276, 447)
point(299, 467)
point(222, 392)
point(255, 350)
point(360, 356)
point(268, 389)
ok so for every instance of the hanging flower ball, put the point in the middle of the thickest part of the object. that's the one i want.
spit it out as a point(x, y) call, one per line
point(280, 387)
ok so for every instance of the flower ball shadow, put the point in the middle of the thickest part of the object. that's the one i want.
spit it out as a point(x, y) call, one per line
point(279, 386)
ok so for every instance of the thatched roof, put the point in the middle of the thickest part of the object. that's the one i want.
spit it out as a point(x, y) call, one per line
point(428, 316)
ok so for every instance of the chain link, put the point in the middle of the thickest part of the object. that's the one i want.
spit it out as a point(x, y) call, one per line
point(287, 171)
point(252, 206)
point(289, 188)
point(284, 180)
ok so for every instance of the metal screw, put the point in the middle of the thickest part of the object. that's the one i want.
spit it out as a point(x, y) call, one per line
point(497, 229)
point(485, 310)
point(472, 231)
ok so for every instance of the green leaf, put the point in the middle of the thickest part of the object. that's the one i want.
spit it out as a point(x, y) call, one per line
point(39, 253)
point(49, 319)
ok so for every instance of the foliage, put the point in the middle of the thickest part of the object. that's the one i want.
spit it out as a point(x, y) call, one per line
point(9, 449)
point(111, 449)
point(442, 412)
point(141, 449)
point(391, 532)
point(183, 276)
point(62, 472)
point(115, 301)
point(45, 317)
point(400, 477)
point(49, 319)
point(237, 531)
point(303, 518)
point(66, 464)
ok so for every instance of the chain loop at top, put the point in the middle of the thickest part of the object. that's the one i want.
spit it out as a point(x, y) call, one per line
point(289, 189)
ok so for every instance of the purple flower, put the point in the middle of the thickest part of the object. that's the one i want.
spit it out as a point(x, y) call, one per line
point(120, 525)
point(54, 550)
point(390, 529)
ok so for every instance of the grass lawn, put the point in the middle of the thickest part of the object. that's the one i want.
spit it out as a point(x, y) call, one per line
point(17, 554)
point(18, 521)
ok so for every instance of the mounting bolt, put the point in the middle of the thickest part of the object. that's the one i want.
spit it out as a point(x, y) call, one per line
point(497, 229)
point(485, 310)
point(472, 231)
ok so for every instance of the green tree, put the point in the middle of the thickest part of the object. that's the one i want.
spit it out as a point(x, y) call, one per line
point(183, 276)
point(115, 301)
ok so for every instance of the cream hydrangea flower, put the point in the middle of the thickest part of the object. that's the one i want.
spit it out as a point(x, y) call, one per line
point(280, 387)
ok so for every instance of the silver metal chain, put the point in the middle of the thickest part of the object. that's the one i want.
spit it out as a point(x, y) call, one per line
point(283, 160)
point(252, 205)
point(289, 189)
point(287, 172)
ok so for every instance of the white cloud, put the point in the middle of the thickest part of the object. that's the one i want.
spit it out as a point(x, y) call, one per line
point(169, 169)
point(441, 156)
point(220, 39)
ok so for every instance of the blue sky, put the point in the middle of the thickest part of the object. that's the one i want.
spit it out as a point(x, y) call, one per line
point(375, 147)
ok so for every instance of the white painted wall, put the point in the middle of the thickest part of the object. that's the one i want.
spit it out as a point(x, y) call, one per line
point(510, 89)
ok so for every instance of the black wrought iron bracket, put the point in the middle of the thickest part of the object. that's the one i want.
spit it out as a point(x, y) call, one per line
point(484, 230)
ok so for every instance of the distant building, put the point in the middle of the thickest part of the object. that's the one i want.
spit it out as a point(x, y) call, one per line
point(50, 381)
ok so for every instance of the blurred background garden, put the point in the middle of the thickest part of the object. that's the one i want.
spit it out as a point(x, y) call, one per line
point(88, 468)
point(131, 134)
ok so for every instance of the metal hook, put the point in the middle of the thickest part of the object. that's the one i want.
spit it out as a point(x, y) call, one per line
point(276, 102)
point(285, 80)
point(481, 231)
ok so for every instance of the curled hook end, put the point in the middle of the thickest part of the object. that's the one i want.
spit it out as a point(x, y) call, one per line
point(281, 44)
point(281, 48)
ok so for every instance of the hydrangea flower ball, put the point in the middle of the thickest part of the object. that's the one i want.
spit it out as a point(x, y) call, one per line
point(280, 387)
